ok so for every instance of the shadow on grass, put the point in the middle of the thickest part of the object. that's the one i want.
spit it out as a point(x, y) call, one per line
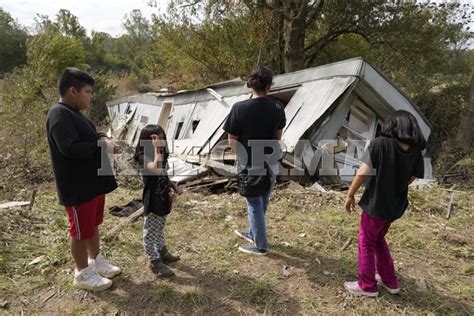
point(330, 272)
point(216, 293)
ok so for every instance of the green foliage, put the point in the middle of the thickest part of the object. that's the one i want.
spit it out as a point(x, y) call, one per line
point(30, 91)
point(13, 43)
point(103, 91)
point(138, 42)
point(51, 52)
point(194, 54)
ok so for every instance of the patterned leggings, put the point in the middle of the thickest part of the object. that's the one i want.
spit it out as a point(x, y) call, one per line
point(153, 235)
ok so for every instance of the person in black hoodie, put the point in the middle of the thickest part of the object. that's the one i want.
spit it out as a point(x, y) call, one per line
point(76, 159)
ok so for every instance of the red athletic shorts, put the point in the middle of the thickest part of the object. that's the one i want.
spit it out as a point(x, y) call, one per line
point(85, 217)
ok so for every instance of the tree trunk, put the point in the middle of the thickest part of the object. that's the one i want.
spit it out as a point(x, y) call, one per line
point(279, 22)
point(294, 34)
point(293, 13)
point(465, 133)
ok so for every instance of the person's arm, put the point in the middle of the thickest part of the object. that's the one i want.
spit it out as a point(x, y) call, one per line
point(233, 142)
point(156, 165)
point(279, 134)
point(358, 180)
point(176, 188)
point(67, 141)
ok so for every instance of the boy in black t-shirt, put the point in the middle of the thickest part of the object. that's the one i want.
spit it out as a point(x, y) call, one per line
point(76, 158)
point(396, 160)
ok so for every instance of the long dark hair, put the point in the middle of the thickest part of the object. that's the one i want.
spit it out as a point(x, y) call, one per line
point(403, 126)
point(145, 135)
point(260, 79)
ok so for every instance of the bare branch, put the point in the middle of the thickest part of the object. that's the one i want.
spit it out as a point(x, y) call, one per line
point(190, 4)
point(320, 44)
point(313, 11)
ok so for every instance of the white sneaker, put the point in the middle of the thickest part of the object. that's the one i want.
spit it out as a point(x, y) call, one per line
point(103, 267)
point(88, 279)
point(389, 289)
point(353, 288)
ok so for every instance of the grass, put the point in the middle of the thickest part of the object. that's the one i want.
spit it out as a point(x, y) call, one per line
point(302, 274)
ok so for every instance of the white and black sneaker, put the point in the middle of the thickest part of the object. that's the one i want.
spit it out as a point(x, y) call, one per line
point(253, 250)
point(244, 234)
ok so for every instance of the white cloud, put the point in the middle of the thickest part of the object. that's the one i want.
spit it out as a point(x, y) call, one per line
point(98, 15)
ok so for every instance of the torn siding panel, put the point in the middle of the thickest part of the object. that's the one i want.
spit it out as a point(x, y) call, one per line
point(180, 171)
point(393, 96)
point(177, 120)
point(316, 102)
point(214, 135)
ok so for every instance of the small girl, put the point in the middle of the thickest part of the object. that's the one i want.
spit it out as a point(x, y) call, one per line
point(392, 161)
point(152, 155)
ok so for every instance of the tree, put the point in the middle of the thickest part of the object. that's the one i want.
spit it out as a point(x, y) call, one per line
point(30, 90)
point(13, 43)
point(300, 30)
point(138, 42)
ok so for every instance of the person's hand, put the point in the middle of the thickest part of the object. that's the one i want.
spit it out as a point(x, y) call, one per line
point(178, 190)
point(349, 205)
point(112, 146)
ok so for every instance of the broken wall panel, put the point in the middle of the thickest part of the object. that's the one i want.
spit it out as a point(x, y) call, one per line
point(318, 97)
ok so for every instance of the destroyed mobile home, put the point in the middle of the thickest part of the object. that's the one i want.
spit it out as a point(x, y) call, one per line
point(332, 111)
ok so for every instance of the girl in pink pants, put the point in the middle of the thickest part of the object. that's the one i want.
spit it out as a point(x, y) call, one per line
point(392, 161)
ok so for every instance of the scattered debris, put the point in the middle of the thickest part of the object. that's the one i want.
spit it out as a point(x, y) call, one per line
point(424, 183)
point(294, 186)
point(47, 298)
point(14, 204)
point(421, 284)
point(287, 271)
point(454, 238)
point(4, 304)
point(347, 243)
point(32, 201)
point(208, 185)
point(36, 260)
point(127, 209)
point(448, 178)
point(132, 218)
point(318, 187)
point(450, 206)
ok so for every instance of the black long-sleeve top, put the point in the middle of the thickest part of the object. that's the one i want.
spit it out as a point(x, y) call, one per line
point(76, 156)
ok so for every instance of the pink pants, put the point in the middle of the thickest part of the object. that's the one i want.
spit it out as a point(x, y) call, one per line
point(374, 252)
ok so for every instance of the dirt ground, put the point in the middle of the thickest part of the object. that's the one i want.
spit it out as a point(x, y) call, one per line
point(303, 273)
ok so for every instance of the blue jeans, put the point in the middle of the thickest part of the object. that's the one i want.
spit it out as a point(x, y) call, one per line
point(257, 207)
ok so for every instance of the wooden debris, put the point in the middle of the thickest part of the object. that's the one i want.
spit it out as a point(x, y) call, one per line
point(447, 178)
point(13, 204)
point(48, 297)
point(450, 205)
point(130, 219)
point(32, 201)
point(221, 181)
point(347, 243)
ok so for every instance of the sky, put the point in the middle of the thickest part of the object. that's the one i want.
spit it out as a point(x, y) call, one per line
point(98, 15)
